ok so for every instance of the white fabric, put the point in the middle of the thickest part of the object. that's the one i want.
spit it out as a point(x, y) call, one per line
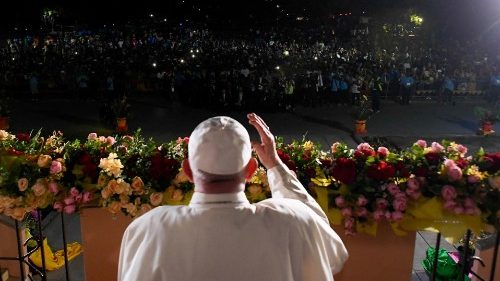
point(222, 237)
point(219, 145)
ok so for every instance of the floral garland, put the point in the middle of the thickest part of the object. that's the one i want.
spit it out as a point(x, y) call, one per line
point(132, 175)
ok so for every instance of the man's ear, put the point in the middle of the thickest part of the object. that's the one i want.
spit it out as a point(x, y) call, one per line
point(187, 169)
point(251, 168)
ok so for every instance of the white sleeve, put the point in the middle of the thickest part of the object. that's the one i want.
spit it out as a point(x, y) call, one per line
point(284, 184)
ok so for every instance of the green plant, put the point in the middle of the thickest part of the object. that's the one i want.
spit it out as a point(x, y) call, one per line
point(487, 114)
point(363, 110)
point(121, 107)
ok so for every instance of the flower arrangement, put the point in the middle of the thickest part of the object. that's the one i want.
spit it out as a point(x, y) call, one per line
point(131, 175)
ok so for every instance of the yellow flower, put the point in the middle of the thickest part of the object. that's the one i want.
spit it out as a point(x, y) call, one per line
point(111, 165)
point(308, 145)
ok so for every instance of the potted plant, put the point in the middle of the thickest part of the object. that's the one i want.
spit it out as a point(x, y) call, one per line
point(487, 118)
point(361, 114)
point(4, 113)
point(121, 110)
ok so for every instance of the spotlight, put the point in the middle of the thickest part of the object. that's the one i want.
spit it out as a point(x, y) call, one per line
point(193, 56)
point(182, 61)
point(154, 64)
point(151, 15)
point(277, 67)
point(315, 58)
point(286, 53)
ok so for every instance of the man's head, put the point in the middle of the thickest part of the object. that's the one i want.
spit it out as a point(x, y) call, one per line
point(219, 155)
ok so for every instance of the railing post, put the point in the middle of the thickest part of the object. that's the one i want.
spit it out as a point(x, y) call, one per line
point(65, 245)
point(40, 241)
point(495, 254)
point(436, 255)
point(19, 251)
point(465, 256)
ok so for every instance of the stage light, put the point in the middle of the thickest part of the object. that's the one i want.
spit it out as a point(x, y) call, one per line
point(286, 53)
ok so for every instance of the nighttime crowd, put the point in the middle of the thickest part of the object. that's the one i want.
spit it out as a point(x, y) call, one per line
point(277, 68)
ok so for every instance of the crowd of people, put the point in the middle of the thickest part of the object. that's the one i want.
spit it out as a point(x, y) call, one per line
point(278, 68)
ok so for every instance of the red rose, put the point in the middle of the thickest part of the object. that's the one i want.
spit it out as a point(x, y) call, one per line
point(344, 170)
point(461, 163)
point(283, 156)
point(432, 158)
point(310, 172)
point(23, 137)
point(421, 172)
point(358, 154)
point(291, 165)
point(326, 162)
point(381, 171)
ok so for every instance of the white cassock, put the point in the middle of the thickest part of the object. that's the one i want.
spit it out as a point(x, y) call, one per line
point(222, 237)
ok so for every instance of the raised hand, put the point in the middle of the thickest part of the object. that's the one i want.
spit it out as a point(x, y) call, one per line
point(266, 148)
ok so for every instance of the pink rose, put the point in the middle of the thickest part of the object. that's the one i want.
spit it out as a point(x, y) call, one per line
point(58, 206)
point(69, 209)
point(364, 146)
point(38, 189)
point(422, 143)
point(362, 201)
point(397, 216)
point(362, 212)
point(392, 188)
point(92, 136)
point(156, 198)
point(454, 173)
point(381, 203)
point(448, 193)
point(400, 196)
point(472, 179)
point(448, 163)
point(101, 139)
point(53, 187)
point(462, 149)
point(399, 205)
point(346, 212)
point(110, 140)
point(388, 215)
point(383, 151)
point(378, 215)
point(340, 201)
point(74, 192)
point(22, 184)
point(436, 147)
point(55, 167)
point(413, 184)
point(69, 200)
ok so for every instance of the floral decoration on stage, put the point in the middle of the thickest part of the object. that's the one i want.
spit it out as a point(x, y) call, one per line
point(424, 186)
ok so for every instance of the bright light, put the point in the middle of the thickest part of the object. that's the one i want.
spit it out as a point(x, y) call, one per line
point(315, 58)
point(416, 19)
point(277, 67)
point(154, 64)
point(300, 18)
point(182, 61)
point(151, 15)
point(13, 59)
point(197, 50)
point(165, 20)
point(278, 6)
point(76, 53)
point(193, 56)
point(191, 51)
point(286, 53)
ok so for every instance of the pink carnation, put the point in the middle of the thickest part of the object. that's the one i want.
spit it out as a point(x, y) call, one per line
point(381, 203)
point(92, 136)
point(413, 194)
point(69, 201)
point(448, 163)
point(69, 209)
point(462, 149)
point(364, 146)
point(346, 212)
point(397, 216)
point(74, 192)
point(378, 215)
point(448, 193)
point(399, 205)
point(362, 201)
point(413, 184)
point(87, 196)
point(362, 212)
point(55, 167)
point(422, 143)
point(449, 205)
point(392, 188)
point(340, 201)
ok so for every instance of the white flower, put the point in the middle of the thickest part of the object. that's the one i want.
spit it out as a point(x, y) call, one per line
point(111, 165)
point(4, 135)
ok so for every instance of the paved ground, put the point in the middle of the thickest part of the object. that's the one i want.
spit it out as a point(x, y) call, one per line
point(402, 125)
